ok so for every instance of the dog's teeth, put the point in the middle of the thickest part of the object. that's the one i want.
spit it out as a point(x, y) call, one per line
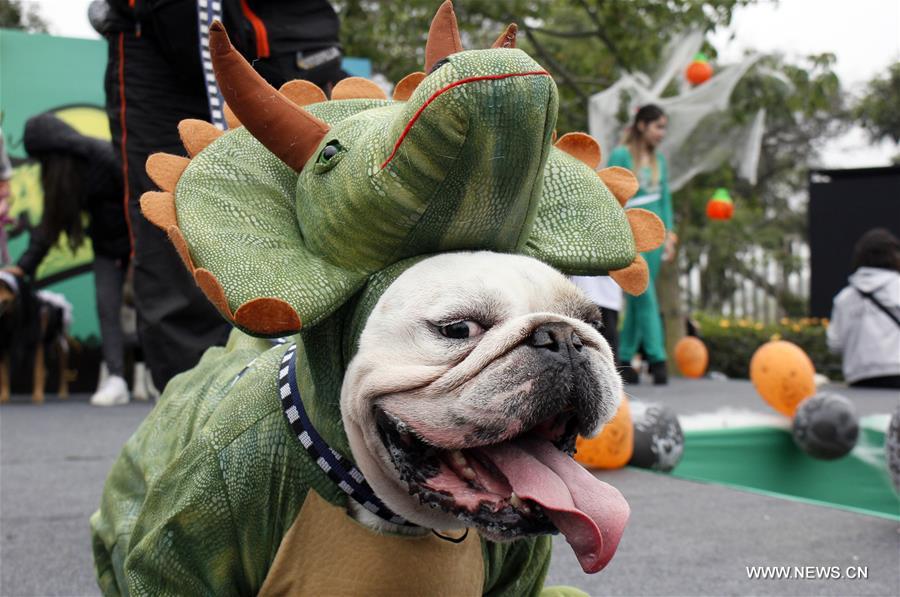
point(468, 473)
point(515, 501)
point(458, 458)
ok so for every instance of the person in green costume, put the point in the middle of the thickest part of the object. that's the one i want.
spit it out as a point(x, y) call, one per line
point(642, 328)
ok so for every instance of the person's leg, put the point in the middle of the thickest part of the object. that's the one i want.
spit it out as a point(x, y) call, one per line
point(610, 330)
point(651, 332)
point(146, 99)
point(108, 280)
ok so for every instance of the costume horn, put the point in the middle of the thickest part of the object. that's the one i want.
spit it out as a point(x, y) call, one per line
point(287, 130)
point(507, 39)
point(443, 36)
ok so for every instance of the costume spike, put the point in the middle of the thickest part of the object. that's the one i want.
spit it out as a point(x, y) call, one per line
point(287, 130)
point(213, 291)
point(181, 246)
point(230, 119)
point(165, 169)
point(357, 88)
point(303, 92)
point(159, 208)
point(507, 39)
point(647, 229)
point(620, 181)
point(634, 278)
point(582, 147)
point(407, 85)
point(197, 134)
point(443, 36)
point(268, 316)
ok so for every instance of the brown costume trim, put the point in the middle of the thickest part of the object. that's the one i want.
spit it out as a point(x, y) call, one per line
point(159, 208)
point(213, 291)
point(287, 130)
point(620, 181)
point(581, 146)
point(181, 246)
point(507, 39)
point(404, 89)
point(165, 169)
point(647, 229)
point(196, 135)
point(230, 119)
point(357, 88)
point(268, 315)
point(634, 278)
point(443, 36)
point(302, 92)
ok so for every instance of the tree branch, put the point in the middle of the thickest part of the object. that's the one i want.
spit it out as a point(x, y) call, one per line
point(556, 66)
point(604, 38)
point(555, 33)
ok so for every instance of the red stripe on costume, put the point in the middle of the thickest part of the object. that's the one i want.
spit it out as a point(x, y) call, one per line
point(124, 137)
point(435, 95)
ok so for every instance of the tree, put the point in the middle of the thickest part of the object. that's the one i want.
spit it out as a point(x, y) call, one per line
point(877, 110)
point(15, 14)
point(802, 112)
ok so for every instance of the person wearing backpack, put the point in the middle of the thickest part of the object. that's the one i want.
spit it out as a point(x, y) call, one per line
point(865, 318)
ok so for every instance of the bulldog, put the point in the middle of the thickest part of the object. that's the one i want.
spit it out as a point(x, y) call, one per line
point(450, 391)
point(473, 376)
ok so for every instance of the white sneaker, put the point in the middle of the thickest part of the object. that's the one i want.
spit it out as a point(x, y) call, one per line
point(139, 390)
point(112, 392)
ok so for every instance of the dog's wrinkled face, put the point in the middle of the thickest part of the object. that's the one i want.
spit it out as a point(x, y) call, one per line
point(474, 374)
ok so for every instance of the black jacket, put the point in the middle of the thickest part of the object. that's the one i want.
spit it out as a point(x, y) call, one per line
point(269, 33)
point(103, 183)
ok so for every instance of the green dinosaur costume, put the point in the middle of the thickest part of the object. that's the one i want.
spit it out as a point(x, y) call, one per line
point(302, 218)
point(642, 327)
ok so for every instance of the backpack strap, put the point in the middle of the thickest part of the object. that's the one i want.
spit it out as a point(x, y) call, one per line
point(875, 302)
point(207, 12)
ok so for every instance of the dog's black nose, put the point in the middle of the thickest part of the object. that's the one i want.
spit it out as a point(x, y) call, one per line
point(556, 337)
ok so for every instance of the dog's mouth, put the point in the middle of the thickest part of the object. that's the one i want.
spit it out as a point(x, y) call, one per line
point(524, 486)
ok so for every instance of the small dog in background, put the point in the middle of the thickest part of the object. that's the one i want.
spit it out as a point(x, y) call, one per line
point(32, 323)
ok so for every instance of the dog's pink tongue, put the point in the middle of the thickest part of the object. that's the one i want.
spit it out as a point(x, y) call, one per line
point(590, 513)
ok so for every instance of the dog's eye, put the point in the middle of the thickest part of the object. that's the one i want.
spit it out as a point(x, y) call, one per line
point(596, 324)
point(462, 329)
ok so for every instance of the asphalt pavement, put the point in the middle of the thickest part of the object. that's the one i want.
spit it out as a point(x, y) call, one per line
point(684, 538)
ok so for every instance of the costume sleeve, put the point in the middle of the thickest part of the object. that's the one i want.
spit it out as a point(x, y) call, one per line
point(38, 247)
point(666, 196)
point(620, 156)
point(516, 569)
point(184, 540)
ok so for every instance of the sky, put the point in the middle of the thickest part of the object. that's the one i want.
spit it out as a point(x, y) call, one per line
point(863, 34)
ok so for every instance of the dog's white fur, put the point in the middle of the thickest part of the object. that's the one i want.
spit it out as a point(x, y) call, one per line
point(404, 362)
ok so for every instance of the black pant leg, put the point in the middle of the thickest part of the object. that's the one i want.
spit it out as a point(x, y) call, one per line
point(610, 330)
point(146, 99)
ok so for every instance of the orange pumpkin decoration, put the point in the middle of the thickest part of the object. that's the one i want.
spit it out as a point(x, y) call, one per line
point(699, 71)
point(612, 448)
point(720, 206)
point(691, 356)
point(783, 375)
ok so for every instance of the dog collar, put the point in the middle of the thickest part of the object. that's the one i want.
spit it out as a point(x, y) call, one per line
point(338, 468)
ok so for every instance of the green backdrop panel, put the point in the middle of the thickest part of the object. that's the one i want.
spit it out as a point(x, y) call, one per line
point(765, 459)
point(40, 73)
